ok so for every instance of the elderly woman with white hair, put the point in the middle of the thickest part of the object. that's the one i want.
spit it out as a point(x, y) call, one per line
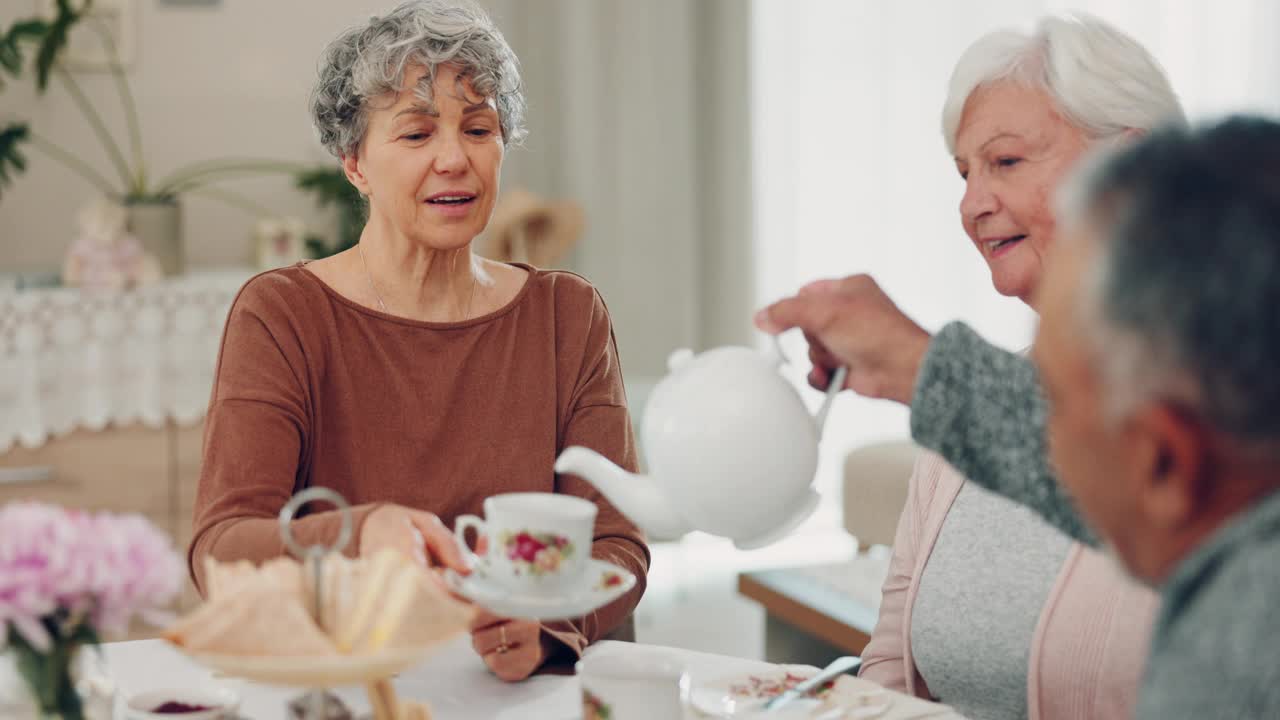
point(987, 607)
point(409, 374)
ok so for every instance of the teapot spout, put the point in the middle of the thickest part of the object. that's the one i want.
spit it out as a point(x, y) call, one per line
point(638, 497)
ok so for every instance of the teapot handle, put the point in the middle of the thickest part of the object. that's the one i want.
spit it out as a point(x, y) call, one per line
point(779, 358)
point(774, 352)
point(837, 384)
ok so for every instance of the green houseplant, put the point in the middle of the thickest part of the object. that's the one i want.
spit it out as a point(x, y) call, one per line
point(332, 190)
point(152, 201)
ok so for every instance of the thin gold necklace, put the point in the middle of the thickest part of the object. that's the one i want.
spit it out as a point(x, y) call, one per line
point(471, 296)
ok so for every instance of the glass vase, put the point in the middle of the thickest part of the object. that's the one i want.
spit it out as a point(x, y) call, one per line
point(69, 682)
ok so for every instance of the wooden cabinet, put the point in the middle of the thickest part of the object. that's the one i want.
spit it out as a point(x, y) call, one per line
point(134, 468)
point(122, 470)
point(188, 443)
point(817, 613)
point(188, 447)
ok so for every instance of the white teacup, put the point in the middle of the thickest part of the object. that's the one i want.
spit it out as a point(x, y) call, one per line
point(538, 543)
point(630, 682)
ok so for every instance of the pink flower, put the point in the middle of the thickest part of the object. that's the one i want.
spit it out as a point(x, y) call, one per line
point(106, 567)
point(525, 547)
point(39, 567)
point(136, 573)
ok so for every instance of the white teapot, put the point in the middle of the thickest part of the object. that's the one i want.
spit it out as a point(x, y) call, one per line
point(732, 451)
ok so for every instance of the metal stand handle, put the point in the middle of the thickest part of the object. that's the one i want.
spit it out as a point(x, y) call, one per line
point(314, 555)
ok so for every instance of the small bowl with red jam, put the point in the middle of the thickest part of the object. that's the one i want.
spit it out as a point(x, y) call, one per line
point(217, 704)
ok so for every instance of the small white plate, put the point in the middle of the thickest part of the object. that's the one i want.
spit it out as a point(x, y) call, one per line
point(602, 583)
point(222, 704)
point(743, 696)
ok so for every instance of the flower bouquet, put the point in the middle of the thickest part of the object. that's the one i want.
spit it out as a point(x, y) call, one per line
point(67, 578)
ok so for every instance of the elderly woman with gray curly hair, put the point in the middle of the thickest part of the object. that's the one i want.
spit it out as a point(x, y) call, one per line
point(407, 373)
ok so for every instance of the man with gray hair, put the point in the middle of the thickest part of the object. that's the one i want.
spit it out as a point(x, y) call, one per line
point(1157, 353)
point(1161, 398)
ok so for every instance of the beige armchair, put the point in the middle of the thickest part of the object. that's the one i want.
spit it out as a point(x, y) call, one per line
point(875, 489)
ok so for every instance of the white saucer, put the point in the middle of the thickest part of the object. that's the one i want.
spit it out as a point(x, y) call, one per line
point(596, 591)
point(743, 696)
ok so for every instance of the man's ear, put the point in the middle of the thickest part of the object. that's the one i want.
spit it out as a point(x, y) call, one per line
point(351, 166)
point(1171, 452)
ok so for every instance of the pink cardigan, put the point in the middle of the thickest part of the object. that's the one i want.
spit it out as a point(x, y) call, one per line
point(1089, 647)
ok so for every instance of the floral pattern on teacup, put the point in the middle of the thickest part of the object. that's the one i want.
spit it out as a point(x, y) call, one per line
point(593, 708)
point(536, 553)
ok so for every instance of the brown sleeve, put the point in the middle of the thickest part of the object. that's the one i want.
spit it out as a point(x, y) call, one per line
point(256, 434)
point(599, 420)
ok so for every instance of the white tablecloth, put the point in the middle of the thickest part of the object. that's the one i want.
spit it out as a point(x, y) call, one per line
point(76, 359)
point(453, 680)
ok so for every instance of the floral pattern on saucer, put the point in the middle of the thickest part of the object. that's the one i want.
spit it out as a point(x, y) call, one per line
point(593, 708)
point(536, 553)
point(769, 686)
point(609, 580)
point(742, 696)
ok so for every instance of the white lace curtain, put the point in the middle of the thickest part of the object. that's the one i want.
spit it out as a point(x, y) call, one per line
point(72, 359)
point(851, 174)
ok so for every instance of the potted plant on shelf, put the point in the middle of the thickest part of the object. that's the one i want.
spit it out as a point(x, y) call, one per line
point(152, 203)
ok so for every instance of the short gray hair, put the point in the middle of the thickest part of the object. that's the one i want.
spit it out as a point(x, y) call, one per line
point(369, 61)
point(1100, 80)
point(1182, 302)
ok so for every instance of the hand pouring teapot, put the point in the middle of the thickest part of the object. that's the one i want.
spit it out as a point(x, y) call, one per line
point(732, 450)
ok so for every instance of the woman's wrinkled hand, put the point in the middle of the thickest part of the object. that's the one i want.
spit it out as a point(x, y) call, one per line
point(851, 322)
